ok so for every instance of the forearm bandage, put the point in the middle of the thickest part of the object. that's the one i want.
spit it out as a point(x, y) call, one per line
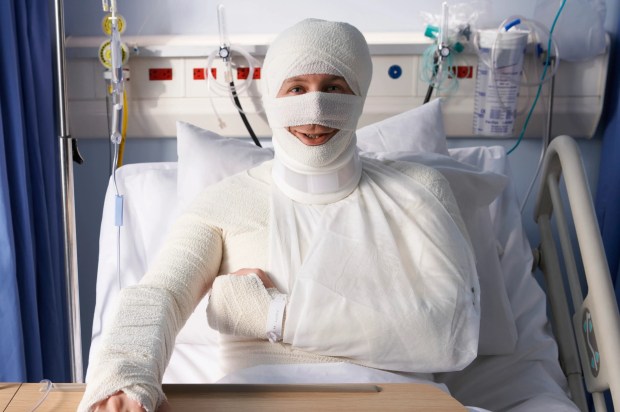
point(240, 305)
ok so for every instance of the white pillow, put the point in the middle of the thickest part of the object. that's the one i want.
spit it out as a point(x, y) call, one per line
point(206, 158)
point(418, 130)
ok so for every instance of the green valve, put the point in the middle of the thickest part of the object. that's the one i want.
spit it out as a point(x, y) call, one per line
point(431, 32)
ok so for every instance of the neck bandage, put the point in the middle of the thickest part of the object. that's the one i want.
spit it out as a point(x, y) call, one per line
point(316, 174)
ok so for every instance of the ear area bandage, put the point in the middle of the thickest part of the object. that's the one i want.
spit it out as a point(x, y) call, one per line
point(340, 111)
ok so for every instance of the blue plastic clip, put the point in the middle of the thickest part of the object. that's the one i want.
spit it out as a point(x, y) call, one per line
point(118, 217)
point(512, 24)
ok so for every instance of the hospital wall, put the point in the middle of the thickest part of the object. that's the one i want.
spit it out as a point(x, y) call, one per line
point(149, 17)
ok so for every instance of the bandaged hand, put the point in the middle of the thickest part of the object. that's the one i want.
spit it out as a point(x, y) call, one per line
point(119, 401)
point(246, 303)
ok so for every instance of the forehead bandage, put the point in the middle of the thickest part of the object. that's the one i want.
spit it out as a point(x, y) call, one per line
point(318, 47)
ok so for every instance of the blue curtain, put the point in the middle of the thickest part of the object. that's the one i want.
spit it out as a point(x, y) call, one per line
point(608, 191)
point(33, 319)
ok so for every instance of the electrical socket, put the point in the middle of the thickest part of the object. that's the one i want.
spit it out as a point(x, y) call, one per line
point(199, 73)
point(244, 72)
point(156, 74)
point(156, 77)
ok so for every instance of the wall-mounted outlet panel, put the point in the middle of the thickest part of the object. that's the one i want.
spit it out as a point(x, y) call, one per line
point(157, 78)
point(168, 83)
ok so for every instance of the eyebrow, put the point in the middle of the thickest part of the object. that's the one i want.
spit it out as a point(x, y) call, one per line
point(301, 78)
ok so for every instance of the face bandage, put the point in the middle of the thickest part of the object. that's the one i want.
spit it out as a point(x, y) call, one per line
point(339, 111)
point(331, 171)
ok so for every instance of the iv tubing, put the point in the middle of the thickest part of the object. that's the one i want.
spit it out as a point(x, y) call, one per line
point(543, 151)
point(242, 114)
point(529, 115)
point(48, 389)
point(224, 89)
point(121, 149)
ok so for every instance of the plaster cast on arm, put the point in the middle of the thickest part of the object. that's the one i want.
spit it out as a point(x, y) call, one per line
point(139, 339)
point(239, 305)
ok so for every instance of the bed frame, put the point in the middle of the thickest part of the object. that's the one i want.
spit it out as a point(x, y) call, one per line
point(588, 329)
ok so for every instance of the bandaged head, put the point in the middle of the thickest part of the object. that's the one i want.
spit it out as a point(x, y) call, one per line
point(330, 171)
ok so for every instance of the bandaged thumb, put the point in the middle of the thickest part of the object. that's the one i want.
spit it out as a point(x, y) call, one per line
point(239, 305)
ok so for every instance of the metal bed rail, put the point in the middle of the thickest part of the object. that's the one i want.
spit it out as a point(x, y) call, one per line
point(589, 337)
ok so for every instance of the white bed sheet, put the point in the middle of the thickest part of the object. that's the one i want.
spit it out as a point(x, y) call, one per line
point(527, 379)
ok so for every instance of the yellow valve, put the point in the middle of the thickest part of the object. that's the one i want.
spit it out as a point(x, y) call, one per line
point(105, 54)
point(106, 24)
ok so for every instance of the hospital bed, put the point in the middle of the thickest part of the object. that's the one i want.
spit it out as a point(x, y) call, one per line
point(517, 368)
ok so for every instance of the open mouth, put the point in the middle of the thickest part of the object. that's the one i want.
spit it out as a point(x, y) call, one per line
point(314, 139)
point(315, 136)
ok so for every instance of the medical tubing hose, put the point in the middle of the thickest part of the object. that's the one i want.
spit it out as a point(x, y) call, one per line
point(535, 28)
point(116, 162)
point(242, 114)
point(121, 148)
point(111, 163)
point(543, 150)
point(223, 89)
point(48, 388)
point(547, 60)
point(118, 227)
point(431, 73)
point(429, 91)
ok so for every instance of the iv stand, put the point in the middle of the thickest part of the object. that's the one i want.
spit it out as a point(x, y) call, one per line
point(68, 207)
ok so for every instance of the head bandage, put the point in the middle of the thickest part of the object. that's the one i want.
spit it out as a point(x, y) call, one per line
point(331, 171)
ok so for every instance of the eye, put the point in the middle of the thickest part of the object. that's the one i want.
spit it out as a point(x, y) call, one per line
point(333, 88)
point(295, 90)
point(338, 87)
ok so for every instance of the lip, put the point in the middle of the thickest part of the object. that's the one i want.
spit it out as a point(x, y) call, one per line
point(318, 138)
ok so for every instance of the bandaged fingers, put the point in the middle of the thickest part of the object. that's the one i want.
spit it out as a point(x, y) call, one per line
point(258, 272)
point(240, 303)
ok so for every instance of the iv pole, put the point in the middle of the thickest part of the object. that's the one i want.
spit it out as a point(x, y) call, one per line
point(68, 207)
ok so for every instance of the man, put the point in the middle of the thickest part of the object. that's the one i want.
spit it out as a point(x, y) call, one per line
point(358, 266)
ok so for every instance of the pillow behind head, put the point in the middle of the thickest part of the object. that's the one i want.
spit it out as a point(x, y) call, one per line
point(206, 158)
point(418, 130)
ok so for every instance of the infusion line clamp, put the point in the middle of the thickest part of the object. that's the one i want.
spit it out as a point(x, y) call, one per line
point(224, 53)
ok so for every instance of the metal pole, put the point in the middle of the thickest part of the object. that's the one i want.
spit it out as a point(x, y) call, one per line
point(68, 207)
